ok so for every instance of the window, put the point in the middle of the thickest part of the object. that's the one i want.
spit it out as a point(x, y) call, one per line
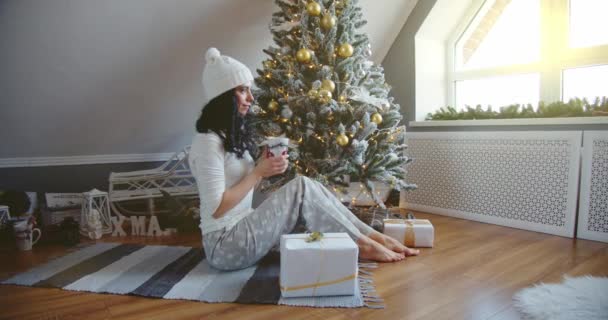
point(503, 33)
point(587, 82)
point(585, 23)
point(525, 51)
point(523, 89)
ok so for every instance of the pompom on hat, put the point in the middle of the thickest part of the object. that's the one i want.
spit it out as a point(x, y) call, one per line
point(222, 73)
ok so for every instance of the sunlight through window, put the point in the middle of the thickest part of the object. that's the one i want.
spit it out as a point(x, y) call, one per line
point(504, 33)
point(498, 91)
point(507, 52)
point(588, 23)
point(588, 82)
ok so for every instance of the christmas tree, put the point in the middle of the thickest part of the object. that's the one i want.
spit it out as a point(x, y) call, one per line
point(319, 88)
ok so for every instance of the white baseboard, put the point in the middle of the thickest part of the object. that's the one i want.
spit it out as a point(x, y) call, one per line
point(565, 231)
point(80, 160)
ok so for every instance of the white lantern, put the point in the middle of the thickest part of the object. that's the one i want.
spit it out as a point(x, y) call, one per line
point(95, 214)
point(5, 217)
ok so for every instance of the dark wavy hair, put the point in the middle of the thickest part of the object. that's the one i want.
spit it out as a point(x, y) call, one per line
point(220, 115)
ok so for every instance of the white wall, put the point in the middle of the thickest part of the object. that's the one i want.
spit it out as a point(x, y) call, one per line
point(431, 55)
point(430, 76)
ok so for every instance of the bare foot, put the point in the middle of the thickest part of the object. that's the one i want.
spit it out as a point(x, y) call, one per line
point(372, 250)
point(393, 244)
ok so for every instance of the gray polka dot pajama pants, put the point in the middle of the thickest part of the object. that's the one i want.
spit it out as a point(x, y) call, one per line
point(300, 203)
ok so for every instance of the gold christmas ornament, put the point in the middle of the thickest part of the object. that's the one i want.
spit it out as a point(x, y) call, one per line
point(268, 64)
point(342, 98)
point(304, 55)
point(328, 21)
point(345, 50)
point(328, 85)
point(273, 105)
point(376, 118)
point(342, 140)
point(341, 3)
point(313, 94)
point(313, 8)
point(325, 95)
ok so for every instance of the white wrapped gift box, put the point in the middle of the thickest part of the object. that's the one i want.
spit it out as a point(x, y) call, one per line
point(411, 232)
point(327, 267)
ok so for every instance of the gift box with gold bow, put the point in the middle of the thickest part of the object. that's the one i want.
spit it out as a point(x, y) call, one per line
point(324, 265)
point(411, 232)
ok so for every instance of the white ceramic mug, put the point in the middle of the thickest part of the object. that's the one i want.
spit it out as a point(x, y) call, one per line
point(24, 232)
point(25, 239)
point(276, 146)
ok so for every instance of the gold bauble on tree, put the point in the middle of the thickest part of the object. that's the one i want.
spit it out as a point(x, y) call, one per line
point(328, 85)
point(325, 95)
point(304, 55)
point(268, 64)
point(273, 105)
point(342, 140)
point(313, 94)
point(345, 50)
point(376, 118)
point(313, 8)
point(328, 21)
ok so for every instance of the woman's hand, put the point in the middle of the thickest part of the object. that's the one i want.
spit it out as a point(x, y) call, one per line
point(268, 167)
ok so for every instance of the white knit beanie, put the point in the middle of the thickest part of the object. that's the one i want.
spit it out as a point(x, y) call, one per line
point(222, 73)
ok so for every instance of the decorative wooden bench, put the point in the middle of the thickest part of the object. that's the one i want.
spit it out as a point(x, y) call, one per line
point(173, 178)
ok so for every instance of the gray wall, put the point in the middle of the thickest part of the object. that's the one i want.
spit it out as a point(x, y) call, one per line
point(114, 77)
point(399, 63)
point(77, 178)
point(88, 77)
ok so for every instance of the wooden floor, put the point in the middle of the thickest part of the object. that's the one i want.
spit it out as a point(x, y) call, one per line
point(472, 273)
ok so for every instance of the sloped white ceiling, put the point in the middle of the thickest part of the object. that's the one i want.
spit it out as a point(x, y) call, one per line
point(89, 77)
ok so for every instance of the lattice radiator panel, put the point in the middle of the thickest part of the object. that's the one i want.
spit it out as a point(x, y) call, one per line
point(593, 203)
point(526, 180)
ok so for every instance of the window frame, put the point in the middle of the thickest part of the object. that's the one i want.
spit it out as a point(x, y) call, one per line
point(555, 53)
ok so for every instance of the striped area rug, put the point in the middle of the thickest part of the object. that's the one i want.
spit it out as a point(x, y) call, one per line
point(176, 272)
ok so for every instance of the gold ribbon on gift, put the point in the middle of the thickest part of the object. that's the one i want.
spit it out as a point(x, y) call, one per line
point(410, 236)
point(319, 284)
point(314, 237)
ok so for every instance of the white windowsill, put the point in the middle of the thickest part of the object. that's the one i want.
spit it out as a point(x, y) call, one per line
point(510, 122)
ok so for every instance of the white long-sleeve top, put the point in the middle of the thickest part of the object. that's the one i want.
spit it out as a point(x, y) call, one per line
point(216, 170)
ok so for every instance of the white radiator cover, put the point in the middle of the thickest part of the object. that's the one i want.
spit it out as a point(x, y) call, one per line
point(593, 203)
point(524, 179)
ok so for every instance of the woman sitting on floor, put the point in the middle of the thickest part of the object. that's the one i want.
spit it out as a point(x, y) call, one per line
point(236, 236)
